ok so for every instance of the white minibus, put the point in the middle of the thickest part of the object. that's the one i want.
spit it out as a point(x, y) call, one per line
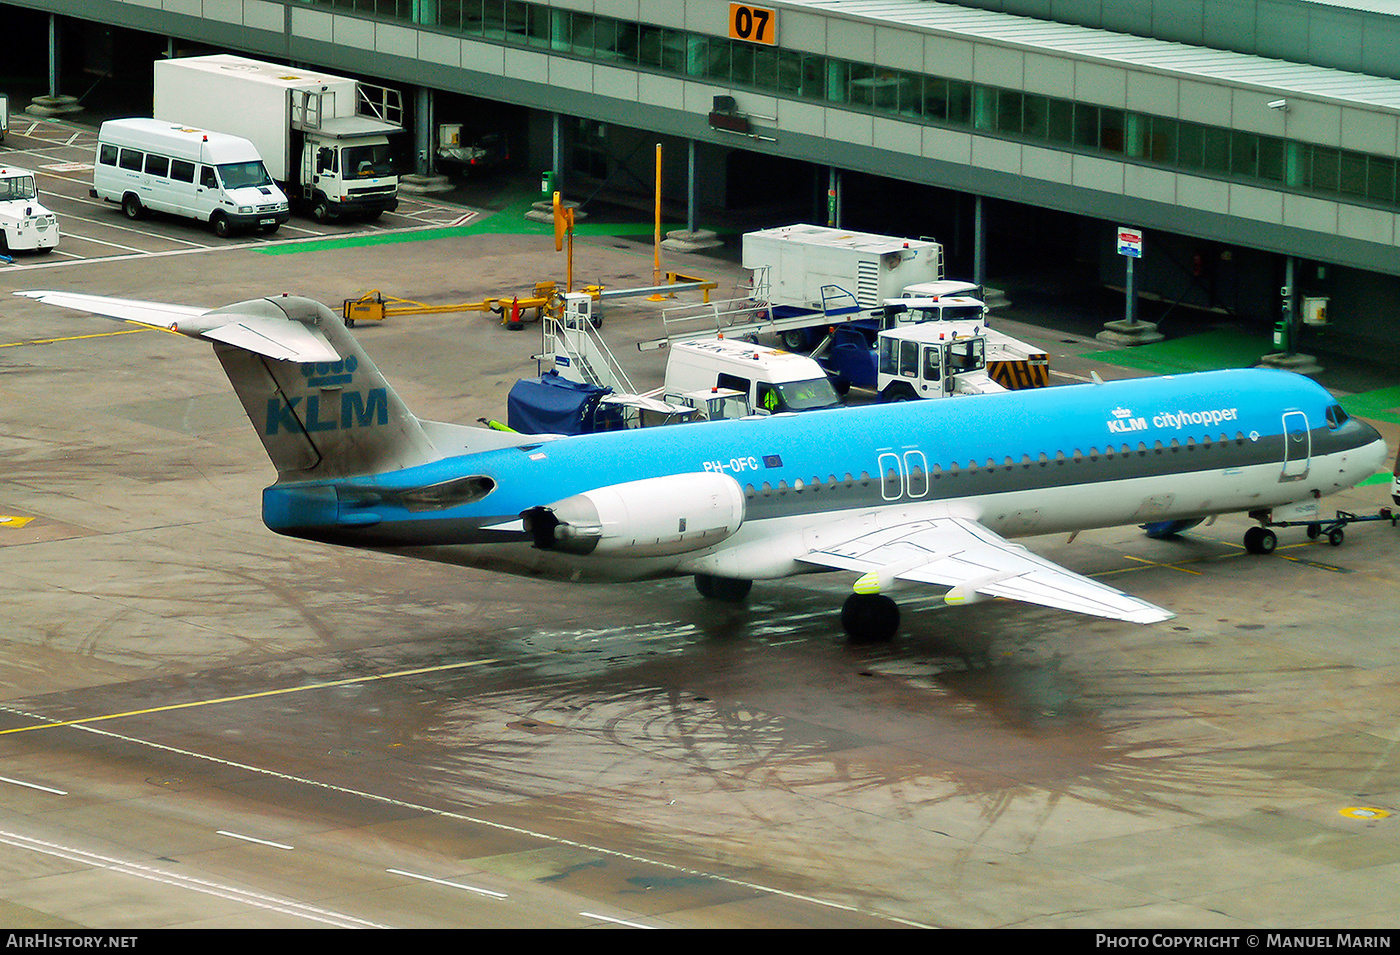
point(220, 179)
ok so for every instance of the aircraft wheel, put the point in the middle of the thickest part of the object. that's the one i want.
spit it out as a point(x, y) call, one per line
point(1335, 536)
point(728, 589)
point(869, 618)
point(1260, 540)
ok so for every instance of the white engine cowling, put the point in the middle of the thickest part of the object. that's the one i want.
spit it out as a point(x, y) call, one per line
point(654, 517)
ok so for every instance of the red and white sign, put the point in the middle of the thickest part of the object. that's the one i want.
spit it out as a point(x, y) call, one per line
point(1130, 242)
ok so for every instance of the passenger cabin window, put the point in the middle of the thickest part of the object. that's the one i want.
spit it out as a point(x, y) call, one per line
point(157, 166)
point(131, 159)
point(107, 154)
point(181, 170)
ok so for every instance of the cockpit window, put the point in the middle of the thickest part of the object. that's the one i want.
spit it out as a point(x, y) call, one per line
point(1336, 417)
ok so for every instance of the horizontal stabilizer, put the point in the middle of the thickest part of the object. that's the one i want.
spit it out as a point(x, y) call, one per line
point(279, 338)
point(154, 314)
point(275, 338)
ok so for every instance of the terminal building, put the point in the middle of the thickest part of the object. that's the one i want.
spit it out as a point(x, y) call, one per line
point(1253, 142)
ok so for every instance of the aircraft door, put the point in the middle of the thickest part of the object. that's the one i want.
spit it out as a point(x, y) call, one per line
point(891, 476)
point(1297, 446)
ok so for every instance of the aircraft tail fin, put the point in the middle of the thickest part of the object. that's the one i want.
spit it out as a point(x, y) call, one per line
point(329, 418)
point(319, 405)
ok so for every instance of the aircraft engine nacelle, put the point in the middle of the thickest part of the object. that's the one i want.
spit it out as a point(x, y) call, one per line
point(654, 517)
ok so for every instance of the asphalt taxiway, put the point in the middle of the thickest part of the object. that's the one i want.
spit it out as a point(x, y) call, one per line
point(204, 724)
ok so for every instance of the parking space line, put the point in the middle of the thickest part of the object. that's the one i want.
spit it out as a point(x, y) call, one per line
point(126, 228)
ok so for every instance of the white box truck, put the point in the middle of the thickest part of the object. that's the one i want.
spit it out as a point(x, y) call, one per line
point(816, 267)
point(324, 138)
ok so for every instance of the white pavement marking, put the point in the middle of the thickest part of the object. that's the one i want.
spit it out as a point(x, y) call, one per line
point(20, 782)
point(453, 885)
point(229, 893)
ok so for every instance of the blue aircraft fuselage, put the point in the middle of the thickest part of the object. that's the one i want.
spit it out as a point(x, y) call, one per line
point(1070, 457)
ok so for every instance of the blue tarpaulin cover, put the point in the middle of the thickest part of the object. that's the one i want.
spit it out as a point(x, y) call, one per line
point(550, 404)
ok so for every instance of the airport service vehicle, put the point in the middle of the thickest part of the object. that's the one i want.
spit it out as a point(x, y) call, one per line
point(772, 380)
point(324, 138)
point(24, 222)
point(467, 151)
point(929, 361)
point(1011, 362)
point(896, 495)
point(824, 273)
point(145, 164)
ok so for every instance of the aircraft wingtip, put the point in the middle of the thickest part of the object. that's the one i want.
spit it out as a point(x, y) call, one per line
point(1150, 615)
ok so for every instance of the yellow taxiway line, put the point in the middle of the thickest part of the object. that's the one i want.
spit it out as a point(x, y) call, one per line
point(250, 696)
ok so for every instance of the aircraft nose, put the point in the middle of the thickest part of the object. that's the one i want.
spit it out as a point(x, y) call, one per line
point(1374, 443)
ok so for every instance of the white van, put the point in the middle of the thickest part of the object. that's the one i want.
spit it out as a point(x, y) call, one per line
point(220, 179)
point(773, 380)
point(24, 222)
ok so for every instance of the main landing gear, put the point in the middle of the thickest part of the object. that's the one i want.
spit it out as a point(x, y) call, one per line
point(869, 618)
point(728, 589)
point(866, 618)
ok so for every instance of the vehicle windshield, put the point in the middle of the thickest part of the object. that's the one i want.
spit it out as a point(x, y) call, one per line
point(806, 395)
point(237, 175)
point(17, 187)
point(733, 406)
point(969, 355)
point(367, 161)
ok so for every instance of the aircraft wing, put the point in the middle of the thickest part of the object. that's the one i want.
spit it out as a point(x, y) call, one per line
point(973, 561)
point(282, 339)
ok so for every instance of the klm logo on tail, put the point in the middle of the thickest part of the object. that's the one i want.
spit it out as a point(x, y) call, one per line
point(354, 409)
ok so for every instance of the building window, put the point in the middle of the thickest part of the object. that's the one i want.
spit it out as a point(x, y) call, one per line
point(1013, 114)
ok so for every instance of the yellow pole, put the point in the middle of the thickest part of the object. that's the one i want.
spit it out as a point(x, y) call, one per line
point(656, 237)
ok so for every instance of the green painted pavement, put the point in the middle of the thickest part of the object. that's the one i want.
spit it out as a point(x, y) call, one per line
point(1383, 404)
point(509, 221)
point(1223, 348)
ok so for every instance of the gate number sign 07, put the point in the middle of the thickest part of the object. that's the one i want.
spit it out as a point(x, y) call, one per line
point(754, 24)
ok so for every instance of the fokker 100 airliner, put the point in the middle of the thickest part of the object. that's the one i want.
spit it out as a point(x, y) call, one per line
point(922, 492)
